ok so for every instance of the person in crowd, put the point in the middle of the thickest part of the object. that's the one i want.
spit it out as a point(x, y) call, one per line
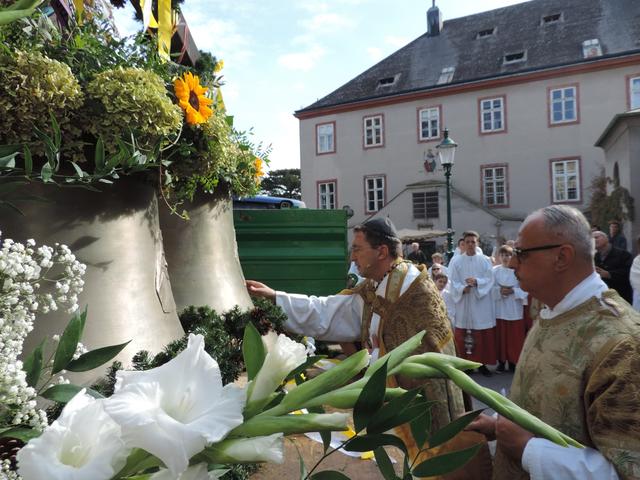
point(442, 282)
point(616, 237)
point(579, 369)
point(459, 247)
point(471, 278)
point(613, 265)
point(438, 259)
point(509, 301)
point(396, 301)
point(634, 277)
point(417, 256)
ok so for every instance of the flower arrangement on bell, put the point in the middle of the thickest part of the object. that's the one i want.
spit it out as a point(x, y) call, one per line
point(81, 106)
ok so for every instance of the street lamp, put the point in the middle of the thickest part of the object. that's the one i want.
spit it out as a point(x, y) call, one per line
point(446, 153)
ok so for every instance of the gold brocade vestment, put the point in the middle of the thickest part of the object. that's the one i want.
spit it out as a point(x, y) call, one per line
point(402, 315)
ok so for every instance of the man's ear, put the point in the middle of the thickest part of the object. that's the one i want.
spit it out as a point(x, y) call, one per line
point(565, 257)
point(383, 252)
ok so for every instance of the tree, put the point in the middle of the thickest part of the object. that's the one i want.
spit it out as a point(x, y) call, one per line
point(282, 183)
point(617, 205)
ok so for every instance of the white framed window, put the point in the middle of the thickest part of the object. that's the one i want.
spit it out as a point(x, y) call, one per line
point(426, 205)
point(634, 92)
point(563, 105)
point(327, 196)
point(429, 123)
point(374, 190)
point(565, 179)
point(373, 131)
point(492, 115)
point(325, 138)
point(494, 186)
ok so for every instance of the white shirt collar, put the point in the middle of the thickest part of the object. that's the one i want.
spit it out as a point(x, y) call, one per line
point(592, 286)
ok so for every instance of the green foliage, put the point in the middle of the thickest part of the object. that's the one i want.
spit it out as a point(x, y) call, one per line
point(617, 205)
point(33, 88)
point(130, 98)
point(284, 182)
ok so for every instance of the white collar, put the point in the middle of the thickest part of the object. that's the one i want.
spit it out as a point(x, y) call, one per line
point(591, 286)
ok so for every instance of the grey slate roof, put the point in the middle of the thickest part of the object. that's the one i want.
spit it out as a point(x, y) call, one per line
point(615, 23)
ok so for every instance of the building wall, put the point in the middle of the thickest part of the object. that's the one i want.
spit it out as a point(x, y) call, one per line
point(527, 146)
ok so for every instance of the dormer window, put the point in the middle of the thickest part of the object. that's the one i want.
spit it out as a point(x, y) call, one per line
point(591, 48)
point(387, 81)
point(488, 32)
point(550, 19)
point(446, 75)
point(515, 57)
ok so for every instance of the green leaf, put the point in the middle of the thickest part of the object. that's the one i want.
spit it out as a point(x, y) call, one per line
point(69, 342)
point(445, 463)
point(365, 443)
point(64, 392)
point(329, 475)
point(138, 460)
point(33, 364)
point(9, 161)
point(78, 170)
point(253, 351)
point(8, 16)
point(47, 172)
point(421, 426)
point(406, 469)
point(384, 418)
point(21, 433)
point(450, 430)
point(57, 136)
point(95, 358)
point(370, 399)
point(309, 362)
point(384, 464)
point(98, 157)
point(28, 161)
point(6, 150)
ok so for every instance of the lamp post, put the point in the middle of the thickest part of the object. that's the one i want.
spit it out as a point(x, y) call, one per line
point(446, 153)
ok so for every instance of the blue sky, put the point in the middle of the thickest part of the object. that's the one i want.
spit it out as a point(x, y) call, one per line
point(282, 55)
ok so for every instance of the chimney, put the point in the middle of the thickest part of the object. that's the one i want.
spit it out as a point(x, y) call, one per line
point(434, 21)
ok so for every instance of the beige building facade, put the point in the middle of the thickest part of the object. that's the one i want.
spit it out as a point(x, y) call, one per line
point(526, 134)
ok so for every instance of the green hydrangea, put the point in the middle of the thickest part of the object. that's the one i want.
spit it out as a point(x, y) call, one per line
point(124, 100)
point(32, 89)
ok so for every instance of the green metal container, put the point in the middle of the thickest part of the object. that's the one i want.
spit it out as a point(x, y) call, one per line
point(294, 250)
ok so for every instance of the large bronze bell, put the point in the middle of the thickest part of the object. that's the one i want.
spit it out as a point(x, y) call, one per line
point(116, 233)
point(203, 255)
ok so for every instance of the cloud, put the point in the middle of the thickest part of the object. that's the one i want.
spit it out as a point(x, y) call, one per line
point(221, 38)
point(375, 53)
point(396, 41)
point(302, 61)
point(327, 22)
point(286, 143)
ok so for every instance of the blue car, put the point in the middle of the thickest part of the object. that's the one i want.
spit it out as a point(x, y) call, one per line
point(266, 202)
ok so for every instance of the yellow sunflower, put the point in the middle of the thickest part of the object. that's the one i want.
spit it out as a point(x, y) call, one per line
point(192, 99)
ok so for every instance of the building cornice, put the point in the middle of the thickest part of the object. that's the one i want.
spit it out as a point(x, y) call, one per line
point(630, 58)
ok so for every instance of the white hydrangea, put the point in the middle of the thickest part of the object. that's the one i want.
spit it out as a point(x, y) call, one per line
point(23, 269)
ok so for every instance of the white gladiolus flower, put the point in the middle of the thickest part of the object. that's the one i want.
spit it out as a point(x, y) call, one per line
point(83, 444)
point(174, 410)
point(197, 472)
point(283, 355)
point(251, 450)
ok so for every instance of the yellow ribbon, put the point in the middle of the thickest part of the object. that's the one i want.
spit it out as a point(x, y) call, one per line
point(79, 6)
point(165, 28)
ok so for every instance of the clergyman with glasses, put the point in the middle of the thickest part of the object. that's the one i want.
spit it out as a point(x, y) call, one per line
point(396, 301)
point(579, 370)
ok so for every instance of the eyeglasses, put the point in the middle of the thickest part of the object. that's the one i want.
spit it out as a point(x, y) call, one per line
point(521, 253)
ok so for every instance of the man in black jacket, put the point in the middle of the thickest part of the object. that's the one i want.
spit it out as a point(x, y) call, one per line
point(613, 265)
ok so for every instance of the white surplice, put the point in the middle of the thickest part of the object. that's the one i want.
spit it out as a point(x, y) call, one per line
point(474, 310)
point(507, 307)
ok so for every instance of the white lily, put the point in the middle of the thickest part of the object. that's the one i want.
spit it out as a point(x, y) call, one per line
point(283, 355)
point(197, 472)
point(84, 443)
point(174, 410)
point(248, 450)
